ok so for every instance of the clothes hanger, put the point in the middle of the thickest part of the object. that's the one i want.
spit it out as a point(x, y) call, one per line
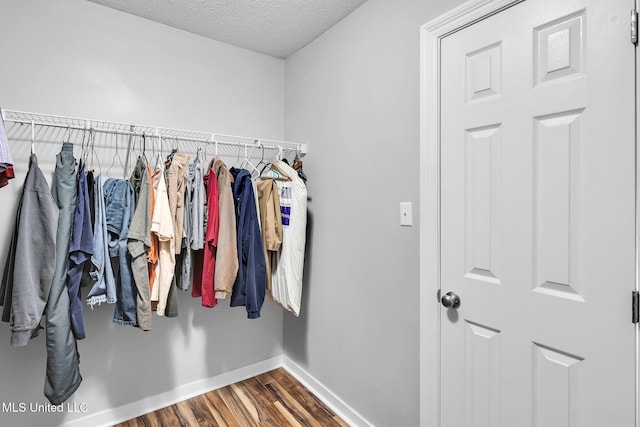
point(246, 161)
point(144, 148)
point(87, 146)
point(84, 137)
point(83, 146)
point(153, 153)
point(274, 173)
point(274, 169)
point(174, 150)
point(135, 146)
point(94, 154)
point(206, 146)
point(158, 162)
point(201, 153)
point(84, 134)
point(281, 155)
point(237, 162)
point(280, 174)
point(202, 149)
point(266, 165)
point(33, 137)
point(261, 162)
point(117, 154)
point(68, 135)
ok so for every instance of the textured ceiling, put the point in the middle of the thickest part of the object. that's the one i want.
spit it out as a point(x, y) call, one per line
point(273, 27)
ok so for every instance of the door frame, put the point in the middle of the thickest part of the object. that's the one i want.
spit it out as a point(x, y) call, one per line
point(431, 35)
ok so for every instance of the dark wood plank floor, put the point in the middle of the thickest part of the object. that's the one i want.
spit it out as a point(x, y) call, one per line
point(272, 399)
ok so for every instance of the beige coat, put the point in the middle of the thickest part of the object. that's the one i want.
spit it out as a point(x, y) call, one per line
point(176, 186)
point(270, 220)
point(227, 252)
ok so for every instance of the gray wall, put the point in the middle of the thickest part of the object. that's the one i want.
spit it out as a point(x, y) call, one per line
point(76, 58)
point(353, 95)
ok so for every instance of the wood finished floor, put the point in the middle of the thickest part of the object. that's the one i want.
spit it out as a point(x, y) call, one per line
point(274, 398)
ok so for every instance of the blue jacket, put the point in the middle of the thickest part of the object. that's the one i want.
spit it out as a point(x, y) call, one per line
point(250, 284)
point(80, 252)
point(119, 208)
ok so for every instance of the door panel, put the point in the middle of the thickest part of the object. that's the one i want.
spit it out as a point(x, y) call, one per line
point(557, 152)
point(482, 379)
point(556, 387)
point(482, 152)
point(538, 217)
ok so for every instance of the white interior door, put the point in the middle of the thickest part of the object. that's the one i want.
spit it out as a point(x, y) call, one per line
point(537, 219)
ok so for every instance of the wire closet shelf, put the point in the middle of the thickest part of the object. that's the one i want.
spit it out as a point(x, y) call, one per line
point(151, 132)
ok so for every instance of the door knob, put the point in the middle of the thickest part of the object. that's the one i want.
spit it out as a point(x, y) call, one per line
point(450, 300)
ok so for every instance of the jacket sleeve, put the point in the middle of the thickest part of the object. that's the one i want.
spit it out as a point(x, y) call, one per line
point(256, 264)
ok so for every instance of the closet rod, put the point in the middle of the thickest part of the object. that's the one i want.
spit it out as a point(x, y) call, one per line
point(115, 128)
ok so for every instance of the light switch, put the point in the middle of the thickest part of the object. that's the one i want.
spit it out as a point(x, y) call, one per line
point(406, 217)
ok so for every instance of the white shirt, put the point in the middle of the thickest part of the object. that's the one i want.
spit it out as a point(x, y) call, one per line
point(287, 274)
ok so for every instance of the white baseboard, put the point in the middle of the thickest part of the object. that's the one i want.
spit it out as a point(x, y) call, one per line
point(337, 405)
point(126, 412)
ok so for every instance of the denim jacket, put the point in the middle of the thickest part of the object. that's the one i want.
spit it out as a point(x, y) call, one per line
point(105, 287)
point(119, 208)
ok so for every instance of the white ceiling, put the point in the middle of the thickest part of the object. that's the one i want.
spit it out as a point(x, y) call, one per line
point(273, 27)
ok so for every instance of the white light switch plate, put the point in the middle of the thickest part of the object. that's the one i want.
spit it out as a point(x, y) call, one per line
point(406, 216)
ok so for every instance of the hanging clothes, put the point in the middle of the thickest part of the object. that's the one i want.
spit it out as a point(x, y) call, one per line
point(205, 288)
point(175, 175)
point(91, 189)
point(152, 253)
point(28, 270)
point(63, 370)
point(270, 222)
point(198, 195)
point(186, 269)
point(6, 162)
point(139, 242)
point(249, 288)
point(176, 180)
point(80, 252)
point(297, 165)
point(288, 264)
point(104, 288)
point(226, 253)
point(162, 226)
point(87, 280)
point(119, 207)
point(194, 225)
point(198, 221)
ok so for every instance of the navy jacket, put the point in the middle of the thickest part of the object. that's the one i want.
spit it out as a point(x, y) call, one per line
point(250, 284)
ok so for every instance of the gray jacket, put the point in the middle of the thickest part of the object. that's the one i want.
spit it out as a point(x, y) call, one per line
point(29, 269)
